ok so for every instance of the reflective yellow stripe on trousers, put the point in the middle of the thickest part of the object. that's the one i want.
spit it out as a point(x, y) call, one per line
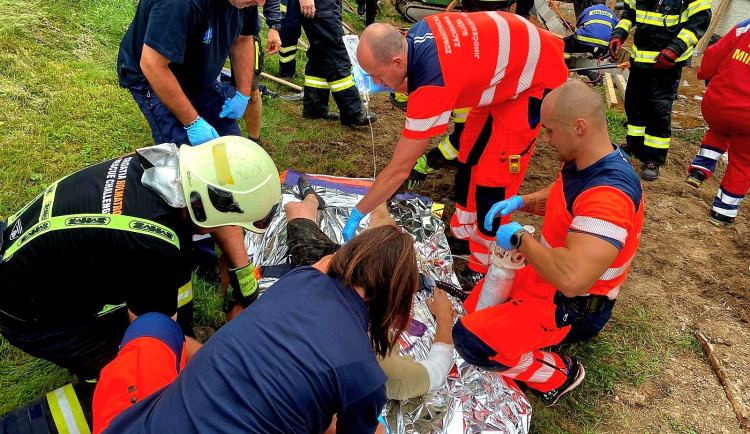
point(66, 411)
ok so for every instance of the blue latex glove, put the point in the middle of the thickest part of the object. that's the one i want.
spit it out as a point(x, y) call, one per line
point(352, 223)
point(235, 106)
point(201, 132)
point(503, 208)
point(505, 232)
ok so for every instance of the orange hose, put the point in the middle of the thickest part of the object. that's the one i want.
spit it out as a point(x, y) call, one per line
point(559, 14)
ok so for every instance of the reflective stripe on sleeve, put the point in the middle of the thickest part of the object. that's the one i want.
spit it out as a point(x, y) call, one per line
point(426, 124)
point(601, 227)
point(643, 56)
point(625, 25)
point(698, 6)
point(66, 411)
point(687, 37)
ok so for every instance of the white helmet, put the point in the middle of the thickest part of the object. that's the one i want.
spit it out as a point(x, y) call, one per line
point(229, 181)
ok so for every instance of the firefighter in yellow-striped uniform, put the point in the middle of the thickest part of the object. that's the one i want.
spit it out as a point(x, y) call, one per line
point(666, 32)
point(328, 70)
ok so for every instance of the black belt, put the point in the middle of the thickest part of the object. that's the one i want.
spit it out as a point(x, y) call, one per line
point(591, 304)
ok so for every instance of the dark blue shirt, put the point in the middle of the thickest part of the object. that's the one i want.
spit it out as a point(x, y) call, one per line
point(195, 35)
point(423, 65)
point(287, 364)
point(595, 26)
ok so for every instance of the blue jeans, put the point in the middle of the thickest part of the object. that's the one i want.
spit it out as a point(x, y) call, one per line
point(166, 128)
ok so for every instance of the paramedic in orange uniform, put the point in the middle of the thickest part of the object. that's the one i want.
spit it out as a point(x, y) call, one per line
point(593, 215)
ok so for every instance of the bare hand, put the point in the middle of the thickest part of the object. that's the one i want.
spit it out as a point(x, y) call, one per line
point(273, 42)
point(307, 7)
point(440, 305)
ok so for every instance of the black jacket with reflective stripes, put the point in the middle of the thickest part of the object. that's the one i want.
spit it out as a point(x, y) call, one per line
point(660, 24)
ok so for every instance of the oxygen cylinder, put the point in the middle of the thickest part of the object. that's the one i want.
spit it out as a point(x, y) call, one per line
point(500, 276)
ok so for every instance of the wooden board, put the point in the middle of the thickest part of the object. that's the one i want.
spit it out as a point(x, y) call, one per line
point(621, 84)
point(609, 90)
point(703, 43)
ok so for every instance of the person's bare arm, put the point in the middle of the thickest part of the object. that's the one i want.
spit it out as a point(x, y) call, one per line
point(242, 55)
point(536, 202)
point(442, 308)
point(572, 269)
point(155, 68)
point(231, 241)
point(395, 173)
point(191, 347)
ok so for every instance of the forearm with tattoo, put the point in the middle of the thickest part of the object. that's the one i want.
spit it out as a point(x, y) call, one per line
point(533, 204)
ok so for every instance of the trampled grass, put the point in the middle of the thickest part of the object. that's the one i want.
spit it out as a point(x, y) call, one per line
point(61, 109)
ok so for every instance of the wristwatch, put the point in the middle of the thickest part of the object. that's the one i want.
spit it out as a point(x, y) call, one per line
point(275, 26)
point(517, 237)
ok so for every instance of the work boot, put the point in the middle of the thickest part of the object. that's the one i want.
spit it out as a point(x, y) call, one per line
point(468, 279)
point(696, 178)
point(626, 149)
point(362, 120)
point(650, 171)
point(327, 116)
point(720, 220)
point(576, 373)
point(304, 187)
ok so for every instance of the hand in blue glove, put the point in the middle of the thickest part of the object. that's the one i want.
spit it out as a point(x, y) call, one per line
point(352, 223)
point(505, 232)
point(200, 132)
point(503, 208)
point(234, 107)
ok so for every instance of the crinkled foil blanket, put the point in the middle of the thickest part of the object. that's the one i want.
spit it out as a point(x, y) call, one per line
point(472, 400)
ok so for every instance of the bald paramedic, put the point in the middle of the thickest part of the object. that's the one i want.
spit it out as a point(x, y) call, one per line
point(593, 216)
point(498, 64)
point(111, 242)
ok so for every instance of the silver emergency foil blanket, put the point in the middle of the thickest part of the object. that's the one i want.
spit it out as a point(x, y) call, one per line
point(164, 176)
point(471, 400)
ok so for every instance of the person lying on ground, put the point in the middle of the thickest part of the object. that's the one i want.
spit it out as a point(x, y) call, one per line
point(308, 244)
point(593, 217)
point(299, 355)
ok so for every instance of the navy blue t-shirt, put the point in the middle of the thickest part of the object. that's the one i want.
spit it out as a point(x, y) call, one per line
point(287, 364)
point(195, 35)
point(423, 66)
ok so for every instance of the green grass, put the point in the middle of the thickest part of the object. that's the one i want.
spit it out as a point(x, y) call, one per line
point(61, 109)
